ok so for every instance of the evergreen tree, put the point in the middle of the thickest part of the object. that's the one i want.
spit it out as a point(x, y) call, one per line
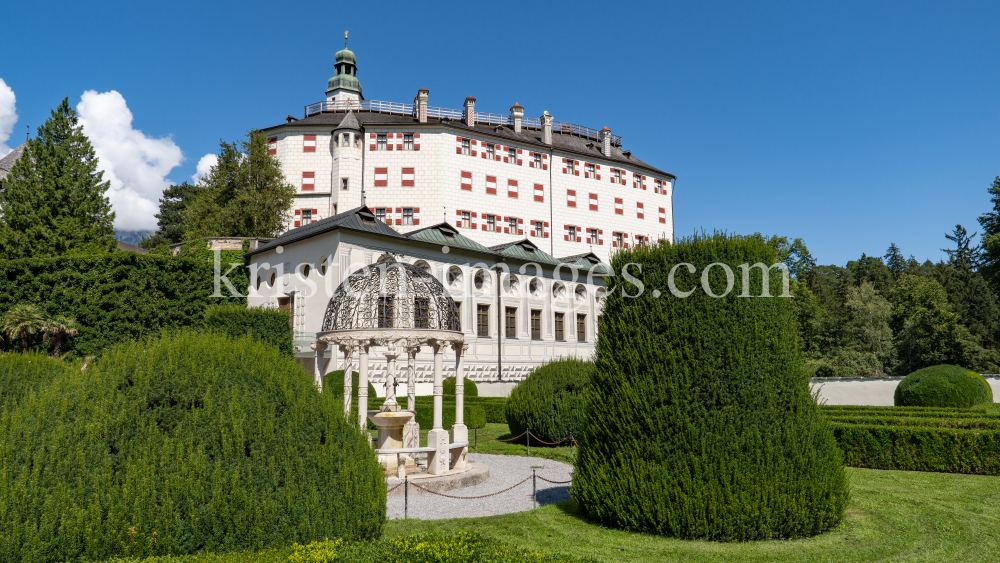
point(894, 261)
point(990, 222)
point(871, 269)
point(245, 194)
point(964, 254)
point(170, 219)
point(54, 199)
point(968, 292)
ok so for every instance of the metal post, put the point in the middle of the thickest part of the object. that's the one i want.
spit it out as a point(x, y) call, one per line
point(500, 327)
point(406, 497)
point(534, 488)
point(527, 435)
point(571, 448)
point(475, 444)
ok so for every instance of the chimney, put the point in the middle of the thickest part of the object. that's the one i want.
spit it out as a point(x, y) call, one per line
point(420, 104)
point(606, 141)
point(470, 111)
point(546, 120)
point(516, 113)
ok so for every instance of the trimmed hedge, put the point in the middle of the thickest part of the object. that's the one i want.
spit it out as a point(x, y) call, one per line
point(270, 325)
point(180, 444)
point(495, 408)
point(699, 420)
point(943, 386)
point(474, 415)
point(20, 374)
point(333, 389)
point(116, 297)
point(550, 401)
point(470, 387)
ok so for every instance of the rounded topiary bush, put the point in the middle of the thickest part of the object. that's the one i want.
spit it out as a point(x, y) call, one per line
point(699, 421)
point(470, 387)
point(943, 386)
point(549, 402)
point(180, 444)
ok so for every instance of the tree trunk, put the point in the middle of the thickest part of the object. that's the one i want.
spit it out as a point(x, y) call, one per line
point(24, 339)
point(58, 344)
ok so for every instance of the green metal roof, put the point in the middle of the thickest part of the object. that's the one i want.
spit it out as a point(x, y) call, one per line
point(446, 235)
point(587, 262)
point(347, 70)
point(525, 250)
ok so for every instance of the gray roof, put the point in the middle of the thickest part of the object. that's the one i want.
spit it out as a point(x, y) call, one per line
point(358, 219)
point(126, 247)
point(350, 121)
point(7, 162)
point(525, 250)
point(587, 261)
point(565, 142)
point(446, 235)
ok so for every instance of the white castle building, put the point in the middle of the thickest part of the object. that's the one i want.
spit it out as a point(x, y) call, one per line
point(459, 194)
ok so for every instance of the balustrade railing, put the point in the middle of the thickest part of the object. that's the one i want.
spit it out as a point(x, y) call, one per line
point(377, 106)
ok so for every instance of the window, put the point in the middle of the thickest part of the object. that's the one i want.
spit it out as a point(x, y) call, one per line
point(385, 312)
point(380, 214)
point(421, 312)
point(491, 151)
point(571, 233)
point(272, 145)
point(581, 328)
point(407, 177)
point(381, 145)
point(657, 186)
point(482, 320)
point(466, 149)
point(336, 140)
point(343, 184)
point(288, 304)
point(308, 181)
point(491, 222)
point(536, 324)
point(408, 142)
point(559, 328)
point(636, 181)
point(466, 221)
point(456, 321)
point(512, 225)
point(592, 236)
point(619, 240)
point(570, 167)
point(510, 322)
point(307, 216)
point(617, 175)
point(407, 215)
point(538, 160)
point(512, 155)
point(309, 143)
point(357, 140)
point(591, 171)
point(538, 230)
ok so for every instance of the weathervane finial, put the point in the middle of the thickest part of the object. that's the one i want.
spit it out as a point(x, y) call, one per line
point(345, 38)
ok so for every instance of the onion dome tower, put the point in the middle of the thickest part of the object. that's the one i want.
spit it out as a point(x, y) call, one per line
point(344, 85)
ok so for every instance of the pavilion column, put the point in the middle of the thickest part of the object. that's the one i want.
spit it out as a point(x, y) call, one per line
point(460, 432)
point(363, 385)
point(411, 378)
point(437, 438)
point(319, 347)
point(390, 402)
point(348, 351)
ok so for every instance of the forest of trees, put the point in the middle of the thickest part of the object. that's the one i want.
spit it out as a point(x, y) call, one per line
point(892, 315)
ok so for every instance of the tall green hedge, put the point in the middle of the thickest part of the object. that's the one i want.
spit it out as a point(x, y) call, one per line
point(184, 443)
point(116, 297)
point(943, 386)
point(20, 374)
point(270, 325)
point(550, 401)
point(699, 420)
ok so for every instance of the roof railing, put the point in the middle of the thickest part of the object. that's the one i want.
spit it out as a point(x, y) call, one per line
point(397, 108)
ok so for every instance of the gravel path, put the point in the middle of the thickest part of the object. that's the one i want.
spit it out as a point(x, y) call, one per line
point(505, 470)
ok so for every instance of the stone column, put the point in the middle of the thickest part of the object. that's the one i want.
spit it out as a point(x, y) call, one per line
point(363, 385)
point(319, 347)
point(411, 377)
point(348, 351)
point(437, 438)
point(390, 403)
point(460, 432)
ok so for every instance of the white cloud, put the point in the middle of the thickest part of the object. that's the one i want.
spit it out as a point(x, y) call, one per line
point(8, 115)
point(136, 165)
point(204, 166)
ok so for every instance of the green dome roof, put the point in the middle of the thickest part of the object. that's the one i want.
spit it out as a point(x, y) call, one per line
point(347, 68)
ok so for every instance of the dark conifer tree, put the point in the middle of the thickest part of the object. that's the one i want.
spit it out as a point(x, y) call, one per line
point(54, 200)
point(894, 261)
point(170, 219)
point(990, 222)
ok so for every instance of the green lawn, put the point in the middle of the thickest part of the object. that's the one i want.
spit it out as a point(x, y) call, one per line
point(893, 516)
point(486, 443)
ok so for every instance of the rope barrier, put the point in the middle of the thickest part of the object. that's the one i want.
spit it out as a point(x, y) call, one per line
point(394, 488)
point(526, 479)
point(547, 443)
point(554, 482)
point(508, 440)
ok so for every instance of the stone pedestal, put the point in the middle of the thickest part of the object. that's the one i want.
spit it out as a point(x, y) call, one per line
point(437, 460)
point(390, 435)
point(411, 439)
point(459, 458)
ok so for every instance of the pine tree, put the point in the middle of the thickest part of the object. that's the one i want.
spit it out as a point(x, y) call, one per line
point(990, 222)
point(54, 202)
point(245, 194)
point(894, 261)
point(170, 219)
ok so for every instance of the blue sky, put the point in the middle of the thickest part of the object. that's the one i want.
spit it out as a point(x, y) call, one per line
point(850, 124)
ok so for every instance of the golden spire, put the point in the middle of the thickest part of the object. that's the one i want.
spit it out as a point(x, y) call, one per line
point(345, 38)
